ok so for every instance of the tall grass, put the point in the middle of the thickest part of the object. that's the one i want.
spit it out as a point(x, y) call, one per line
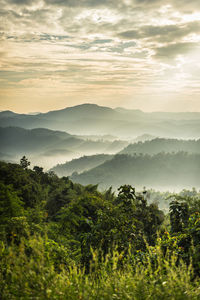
point(28, 272)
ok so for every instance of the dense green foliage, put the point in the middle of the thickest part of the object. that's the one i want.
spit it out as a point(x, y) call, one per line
point(61, 240)
point(72, 213)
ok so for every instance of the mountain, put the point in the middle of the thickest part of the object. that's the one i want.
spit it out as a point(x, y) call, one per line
point(144, 137)
point(161, 171)
point(162, 145)
point(48, 147)
point(41, 146)
point(105, 137)
point(81, 112)
point(81, 164)
point(16, 139)
point(160, 114)
point(77, 119)
point(7, 114)
point(91, 119)
point(116, 146)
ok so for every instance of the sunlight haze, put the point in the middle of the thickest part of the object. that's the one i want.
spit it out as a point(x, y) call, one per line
point(129, 53)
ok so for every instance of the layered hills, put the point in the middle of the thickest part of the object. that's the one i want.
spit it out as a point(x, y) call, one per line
point(91, 119)
point(161, 171)
point(100, 145)
point(48, 147)
point(159, 163)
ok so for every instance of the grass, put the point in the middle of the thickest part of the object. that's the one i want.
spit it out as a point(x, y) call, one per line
point(31, 274)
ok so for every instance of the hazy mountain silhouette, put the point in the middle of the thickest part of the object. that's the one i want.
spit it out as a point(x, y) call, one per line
point(16, 139)
point(82, 111)
point(49, 147)
point(91, 119)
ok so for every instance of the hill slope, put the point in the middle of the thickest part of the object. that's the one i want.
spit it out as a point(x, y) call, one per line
point(48, 147)
point(80, 164)
point(162, 145)
point(161, 171)
point(16, 139)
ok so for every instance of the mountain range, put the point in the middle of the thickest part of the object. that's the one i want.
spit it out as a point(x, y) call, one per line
point(46, 147)
point(105, 146)
point(91, 119)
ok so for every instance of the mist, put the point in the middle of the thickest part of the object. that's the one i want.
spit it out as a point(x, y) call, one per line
point(108, 147)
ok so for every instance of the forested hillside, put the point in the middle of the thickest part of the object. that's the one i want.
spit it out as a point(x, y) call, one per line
point(80, 164)
point(157, 145)
point(61, 240)
point(160, 171)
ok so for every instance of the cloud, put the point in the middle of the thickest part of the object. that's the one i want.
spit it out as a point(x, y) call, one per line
point(130, 34)
point(172, 50)
point(181, 5)
point(166, 33)
point(84, 3)
point(21, 2)
point(102, 41)
point(126, 45)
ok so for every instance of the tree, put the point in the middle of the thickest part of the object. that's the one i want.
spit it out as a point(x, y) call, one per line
point(179, 215)
point(24, 163)
point(10, 204)
point(126, 194)
point(38, 170)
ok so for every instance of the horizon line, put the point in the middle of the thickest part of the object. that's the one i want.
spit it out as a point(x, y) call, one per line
point(95, 104)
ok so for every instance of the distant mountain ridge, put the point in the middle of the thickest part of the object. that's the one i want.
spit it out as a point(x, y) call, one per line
point(83, 110)
point(91, 119)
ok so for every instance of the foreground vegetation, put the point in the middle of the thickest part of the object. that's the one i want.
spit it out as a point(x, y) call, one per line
point(60, 240)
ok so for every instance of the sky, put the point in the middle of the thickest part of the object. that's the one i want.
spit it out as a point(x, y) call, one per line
point(138, 54)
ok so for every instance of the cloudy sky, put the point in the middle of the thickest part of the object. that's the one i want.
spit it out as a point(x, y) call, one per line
point(140, 54)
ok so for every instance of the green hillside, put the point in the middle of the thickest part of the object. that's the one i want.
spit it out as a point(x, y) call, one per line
point(80, 164)
point(161, 171)
point(157, 145)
